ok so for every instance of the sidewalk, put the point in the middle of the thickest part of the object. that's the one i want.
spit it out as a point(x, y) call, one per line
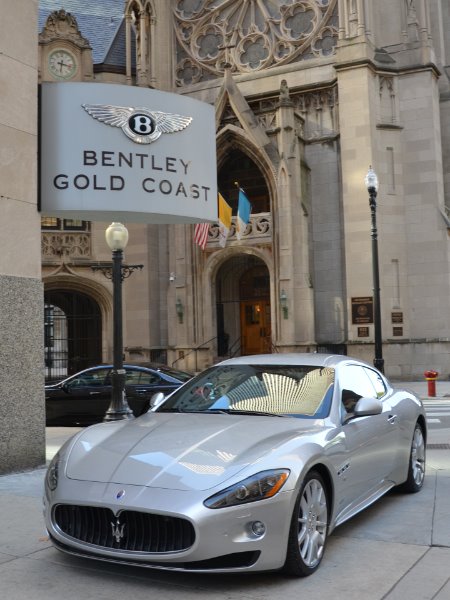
point(420, 388)
point(399, 548)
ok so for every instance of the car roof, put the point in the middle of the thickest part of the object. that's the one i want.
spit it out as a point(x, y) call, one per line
point(297, 358)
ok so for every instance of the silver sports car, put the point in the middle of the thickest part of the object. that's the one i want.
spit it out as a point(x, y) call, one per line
point(248, 466)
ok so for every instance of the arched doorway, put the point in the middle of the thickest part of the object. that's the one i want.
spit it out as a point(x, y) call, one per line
point(243, 307)
point(73, 333)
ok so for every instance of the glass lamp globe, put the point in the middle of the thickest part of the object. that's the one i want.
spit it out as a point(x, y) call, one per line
point(371, 179)
point(116, 236)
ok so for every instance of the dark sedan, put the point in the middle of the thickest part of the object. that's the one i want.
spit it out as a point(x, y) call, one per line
point(84, 398)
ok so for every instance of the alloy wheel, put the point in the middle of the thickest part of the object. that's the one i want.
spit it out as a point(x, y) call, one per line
point(418, 456)
point(312, 523)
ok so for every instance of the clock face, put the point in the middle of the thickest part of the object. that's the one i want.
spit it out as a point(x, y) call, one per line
point(62, 64)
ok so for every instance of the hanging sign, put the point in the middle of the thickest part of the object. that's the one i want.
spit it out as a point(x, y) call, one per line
point(117, 152)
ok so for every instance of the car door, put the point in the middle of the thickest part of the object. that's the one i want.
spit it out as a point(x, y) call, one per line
point(371, 442)
point(88, 396)
point(140, 385)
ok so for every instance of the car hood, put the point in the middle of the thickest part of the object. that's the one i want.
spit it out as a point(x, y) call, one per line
point(179, 451)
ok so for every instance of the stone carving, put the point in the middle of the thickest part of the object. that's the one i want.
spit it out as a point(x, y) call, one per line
point(62, 25)
point(62, 244)
point(317, 112)
point(250, 36)
point(259, 229)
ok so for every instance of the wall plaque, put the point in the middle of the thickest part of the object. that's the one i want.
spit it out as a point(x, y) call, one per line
point(397, 317)
point(362, 310)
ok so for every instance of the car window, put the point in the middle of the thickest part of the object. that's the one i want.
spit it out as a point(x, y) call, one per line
point(137, 377)
point(90, 378)
point(355, 384)
point(377, 382)
point(180, 375)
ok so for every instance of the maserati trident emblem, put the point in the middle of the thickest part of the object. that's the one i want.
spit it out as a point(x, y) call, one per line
point(118, 530)
point(142, 125)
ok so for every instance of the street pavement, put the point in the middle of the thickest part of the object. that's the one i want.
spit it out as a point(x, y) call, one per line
point(398, 549)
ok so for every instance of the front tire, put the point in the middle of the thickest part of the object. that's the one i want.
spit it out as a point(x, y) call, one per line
point(309, 527)
point(416, 467)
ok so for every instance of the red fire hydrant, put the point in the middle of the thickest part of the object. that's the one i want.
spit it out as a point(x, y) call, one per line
point(431, 377)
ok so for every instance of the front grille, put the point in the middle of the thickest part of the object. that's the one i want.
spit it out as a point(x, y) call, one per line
point(131, 531)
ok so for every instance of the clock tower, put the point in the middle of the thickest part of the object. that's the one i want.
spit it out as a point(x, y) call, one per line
point(64, 54)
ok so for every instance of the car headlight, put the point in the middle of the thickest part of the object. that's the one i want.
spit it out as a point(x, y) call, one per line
point(51, 478)
point(257, 487)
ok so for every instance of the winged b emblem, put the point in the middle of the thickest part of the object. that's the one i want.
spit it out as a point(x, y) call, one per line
point(140, 124)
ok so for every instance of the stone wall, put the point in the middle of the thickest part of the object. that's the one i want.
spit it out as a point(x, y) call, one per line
point(22, 414)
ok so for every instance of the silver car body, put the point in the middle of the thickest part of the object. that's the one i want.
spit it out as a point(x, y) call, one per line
point(168, 464)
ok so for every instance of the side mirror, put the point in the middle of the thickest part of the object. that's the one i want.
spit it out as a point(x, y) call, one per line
point(65, 388)
point(156, 400)
point(368, 406)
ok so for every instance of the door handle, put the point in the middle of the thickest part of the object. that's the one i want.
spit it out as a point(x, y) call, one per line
point(392, 419)
point(94, 393)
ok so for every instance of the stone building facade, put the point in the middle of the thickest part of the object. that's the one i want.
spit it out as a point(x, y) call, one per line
point(308, 94)
point(22, 418)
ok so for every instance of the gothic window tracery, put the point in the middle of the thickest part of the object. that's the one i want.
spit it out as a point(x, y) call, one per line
point(250, 35)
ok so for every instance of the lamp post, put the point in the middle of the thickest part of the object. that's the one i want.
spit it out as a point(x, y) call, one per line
point(117, 238)
point(371, 181)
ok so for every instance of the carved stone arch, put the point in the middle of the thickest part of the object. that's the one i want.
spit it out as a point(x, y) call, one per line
point(217, 259)
point(132, 5)
point(84, 285)
point(209, 284)
point(78, 322)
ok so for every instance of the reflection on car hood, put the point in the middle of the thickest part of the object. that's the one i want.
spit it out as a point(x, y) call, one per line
point(179, 451)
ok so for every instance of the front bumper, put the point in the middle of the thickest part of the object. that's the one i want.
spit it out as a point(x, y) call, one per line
point(224, 540)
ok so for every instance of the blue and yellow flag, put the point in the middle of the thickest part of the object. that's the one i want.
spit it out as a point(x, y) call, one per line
point(243, 216)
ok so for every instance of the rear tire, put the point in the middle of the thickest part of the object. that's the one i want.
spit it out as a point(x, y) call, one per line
point(416, 467)
point(309, 528)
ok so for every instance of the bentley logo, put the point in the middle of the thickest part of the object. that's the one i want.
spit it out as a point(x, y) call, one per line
point(142, 125)
point(118, 531)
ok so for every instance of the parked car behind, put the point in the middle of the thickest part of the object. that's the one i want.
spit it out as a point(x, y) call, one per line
point(84, 398)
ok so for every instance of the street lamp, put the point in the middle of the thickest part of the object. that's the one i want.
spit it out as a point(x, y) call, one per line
point(117, 238)
point(284, 304)
point(371, 181)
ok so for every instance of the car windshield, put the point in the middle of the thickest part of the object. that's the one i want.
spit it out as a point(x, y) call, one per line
point(180, 375)
point(295, 390)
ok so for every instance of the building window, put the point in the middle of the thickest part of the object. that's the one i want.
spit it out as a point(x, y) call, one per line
point(54, 224)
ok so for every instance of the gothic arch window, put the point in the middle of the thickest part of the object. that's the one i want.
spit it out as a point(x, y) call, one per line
point(240, 169)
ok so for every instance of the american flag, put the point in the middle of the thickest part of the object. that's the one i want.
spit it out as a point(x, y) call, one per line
point(201, 234)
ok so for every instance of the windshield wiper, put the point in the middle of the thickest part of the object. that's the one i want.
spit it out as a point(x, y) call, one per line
point(259, 413)
point(223, 411)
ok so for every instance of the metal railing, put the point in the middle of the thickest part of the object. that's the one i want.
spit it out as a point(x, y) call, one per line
point(204, 344)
